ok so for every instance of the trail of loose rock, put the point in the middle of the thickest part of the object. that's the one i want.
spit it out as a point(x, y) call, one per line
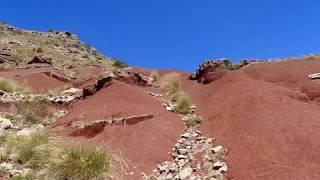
point(194, 156)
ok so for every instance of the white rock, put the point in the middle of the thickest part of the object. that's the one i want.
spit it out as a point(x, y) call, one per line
point(217, 149)
point(182, 151)
point(218, 165)
point(186, 172)
point(25, 132)
point(169, 176)
point(71, 91)
point(5, 123)
point(7, 166)
point(223, 169)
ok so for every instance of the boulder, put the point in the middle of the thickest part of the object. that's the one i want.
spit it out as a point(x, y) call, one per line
point(5, 123)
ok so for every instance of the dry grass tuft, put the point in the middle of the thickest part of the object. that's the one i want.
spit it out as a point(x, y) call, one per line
point(35, 111)
point(11, 86)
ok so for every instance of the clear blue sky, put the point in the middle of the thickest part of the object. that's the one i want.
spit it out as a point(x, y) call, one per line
point(178, 34)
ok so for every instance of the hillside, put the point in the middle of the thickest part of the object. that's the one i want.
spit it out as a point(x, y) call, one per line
point(254, 120)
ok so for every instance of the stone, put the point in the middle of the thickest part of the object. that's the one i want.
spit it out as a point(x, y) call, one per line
point(180, 156)
point(186, 172)
point(169, 176)
point(217, 149)
point(182, 151)
point(25, 132)
point(5, 123)
point(314, 76)
point(217, 165)
point(7, 166)
point(15, 172)
point(71, 91)
point(223, 169)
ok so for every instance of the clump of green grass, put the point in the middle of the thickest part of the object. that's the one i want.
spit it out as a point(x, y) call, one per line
point(39, 50)
point(80, 163)
point(57, 160)
point(192, 120)
point(24, 146)
point(120, 64)
point(34, 111)
point(11, 86)
point(183, 104)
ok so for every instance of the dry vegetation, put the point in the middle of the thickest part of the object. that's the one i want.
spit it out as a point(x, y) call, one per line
point(155, 75)
point(172, 85)
point(11, 86)
point(48, 158)
point(192, 120)
point(35, 111)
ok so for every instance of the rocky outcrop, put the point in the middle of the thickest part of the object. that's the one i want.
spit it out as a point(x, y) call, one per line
point(41, 60)
point(133, 78)
point(212, 70)
point(91, 129)
point(95, 85)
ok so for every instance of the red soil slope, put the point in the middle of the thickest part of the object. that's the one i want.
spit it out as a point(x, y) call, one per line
point(265, 119)
point(144, 144)
point(39, 82)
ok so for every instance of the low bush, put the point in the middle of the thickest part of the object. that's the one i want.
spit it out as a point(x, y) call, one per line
point(80, 163)
point(24, 146)
point(183, 104)
point(119, 64)
point(39, 50)
point(171, 84)
point(57, 160)
point(10, 86)
point(192, 120)
point(34, 111)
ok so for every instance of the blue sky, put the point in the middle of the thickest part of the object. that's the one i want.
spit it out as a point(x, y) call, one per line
point(178, 34)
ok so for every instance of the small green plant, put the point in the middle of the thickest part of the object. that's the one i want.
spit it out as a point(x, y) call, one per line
point(80, 163)
point(34, 111)
point(23, 146)
point(171, 84)
point(39, 50)
point(183, 104)
point(17, 59)
point(155, 75)
point(10, 86)
point(192, 120)
point(119, 64)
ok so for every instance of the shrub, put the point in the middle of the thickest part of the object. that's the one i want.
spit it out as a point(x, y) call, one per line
point(80, 163)
point(183, 104)
point(155, 75)
point(10, 86)
point(119, 64)
point(39, 50)
point(58, 161)
point(171, 84)
point(192, 120)
point(34, 111)
point(24, 146)
point(17, 59)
